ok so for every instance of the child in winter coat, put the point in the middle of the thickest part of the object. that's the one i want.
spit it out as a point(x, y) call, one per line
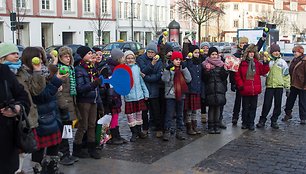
point(192, 104)
point(87, 82)
point(114, 99)
point(277, 79)
point(215, 78)
point(249, 84)
point(175, 77)
point(67, 100)
point(135, 100)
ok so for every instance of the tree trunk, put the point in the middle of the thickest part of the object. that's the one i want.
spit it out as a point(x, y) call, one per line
point(199, 34)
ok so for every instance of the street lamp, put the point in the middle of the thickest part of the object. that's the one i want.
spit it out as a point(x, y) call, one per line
point(132, 21)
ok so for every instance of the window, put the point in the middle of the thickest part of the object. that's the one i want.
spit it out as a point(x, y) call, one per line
point(138, 11)
point(67, 5)
point(236, 24)
point(1, 3)
point(171, 14)
point(87, 5)
point(151, 13)
point(120, 10)
point(146, 12)
point(104, 6)
point(157, 14)
point(250, 7)
point(236, 7)
point(21, 3)
point(126, 6)
point(45, 4)
point(256, 7)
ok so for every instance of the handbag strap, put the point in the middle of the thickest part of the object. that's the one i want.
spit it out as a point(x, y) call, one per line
point(23, 116)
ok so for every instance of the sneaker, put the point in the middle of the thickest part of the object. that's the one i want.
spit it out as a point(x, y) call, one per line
point(303, 122)
point(166, 135)
point(180, 135)
point(287, 117)
point(234, 121)
point(75, 159)
point(211, 131)
point(251, 127)
point(66, 161)
point(261, 124)
point(222, 125)
point(159, 134)
point(274, 125)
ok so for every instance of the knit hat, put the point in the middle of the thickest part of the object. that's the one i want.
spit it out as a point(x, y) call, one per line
point(128, 52)
point(192, 48)
point(176, 55)
point(152, 47)
point(83, 50)
point(116, 54)
point(211, 50)
point(168, 48)
point(203, 44)
point(243, 40)
point(96, 49)
point(297, 48)
point(274, 48)
point(7, 48)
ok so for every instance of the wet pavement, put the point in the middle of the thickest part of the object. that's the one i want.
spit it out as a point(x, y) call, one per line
point(233, 151)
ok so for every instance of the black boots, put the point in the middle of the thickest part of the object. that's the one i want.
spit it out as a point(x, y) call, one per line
point(190, 130)
point(140, 133)
point(79, 152)
point(134, 134)
point(93, 152)
point(115, 140)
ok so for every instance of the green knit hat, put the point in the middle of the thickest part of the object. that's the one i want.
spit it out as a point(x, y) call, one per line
point(7, 48)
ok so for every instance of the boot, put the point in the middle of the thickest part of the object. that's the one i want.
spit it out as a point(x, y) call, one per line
point(190, 131)
point(222, 125)
point(287, 117)
point(93, 151)
point(274, 125)
point(204, 118)
point(66, 161)
point(194, 127)
point(114, 140)
point(141, 134)
point(261, 124)
point(134, 134)
point(119, 136)
point(180, 135)
point(78, 152)
point(217, 128)
point(211, 127)
point(166, 135)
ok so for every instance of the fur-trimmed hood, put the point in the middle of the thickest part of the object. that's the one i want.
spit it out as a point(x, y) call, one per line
point(251, 48)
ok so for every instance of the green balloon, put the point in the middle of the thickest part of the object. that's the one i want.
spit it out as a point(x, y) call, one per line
point(64, 70)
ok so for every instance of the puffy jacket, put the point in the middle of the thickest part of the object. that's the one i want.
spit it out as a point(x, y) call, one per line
point(49, 118)
point(139, 90)
point(168, 76)
point(87, 92)
point(195, 70)
point(298, 77)
point(152, 73)
point(250, 87)
point(278, 76)
point(215, 86)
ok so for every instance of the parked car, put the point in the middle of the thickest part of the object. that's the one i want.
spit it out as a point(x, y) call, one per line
point(99, 46)
point(74, 48)
point(223, 47)
point(136, 47)
point(175, 45)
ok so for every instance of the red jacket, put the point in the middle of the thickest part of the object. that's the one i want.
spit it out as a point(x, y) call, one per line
point(250, 87)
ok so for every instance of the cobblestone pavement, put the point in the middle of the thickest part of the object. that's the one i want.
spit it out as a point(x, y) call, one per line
point(262, 151)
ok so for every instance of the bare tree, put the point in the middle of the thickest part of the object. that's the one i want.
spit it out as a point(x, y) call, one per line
point(21, 11)
point(277, 17)
point(200, 11)
point(100, 23)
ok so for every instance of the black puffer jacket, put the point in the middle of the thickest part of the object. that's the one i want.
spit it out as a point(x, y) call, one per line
point(215, 86)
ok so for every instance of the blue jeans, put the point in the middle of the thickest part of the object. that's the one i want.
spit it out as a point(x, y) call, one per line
point(177, 107)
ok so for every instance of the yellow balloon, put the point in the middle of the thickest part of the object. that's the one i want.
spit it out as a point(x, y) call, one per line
point(36, 60)
point(54, 53)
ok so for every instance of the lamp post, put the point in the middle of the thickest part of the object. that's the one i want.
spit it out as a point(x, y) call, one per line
point(132, 20)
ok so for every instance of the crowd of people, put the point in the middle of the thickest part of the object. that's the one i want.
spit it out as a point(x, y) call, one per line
point(167, 85)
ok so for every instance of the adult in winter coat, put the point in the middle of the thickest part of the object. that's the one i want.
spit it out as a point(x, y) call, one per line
point(12, 92)
point(297, 70)
point(249, 84)
point(215, 88)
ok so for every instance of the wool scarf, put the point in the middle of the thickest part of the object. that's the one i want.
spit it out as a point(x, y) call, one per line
point(91, 70)
point(14, 66)
point(251, 69)
point(180, 85)
point(72, 82)
point(213, 63)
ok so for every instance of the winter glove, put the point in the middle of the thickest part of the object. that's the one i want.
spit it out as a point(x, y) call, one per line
point(104, 72)
point(233, 87)
point(97, 82)
point(287, 92)
point(169, 66)
point(183, 65)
